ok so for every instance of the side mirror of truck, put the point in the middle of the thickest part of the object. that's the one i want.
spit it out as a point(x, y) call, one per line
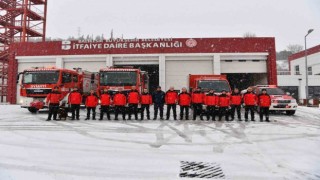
point(18, 77)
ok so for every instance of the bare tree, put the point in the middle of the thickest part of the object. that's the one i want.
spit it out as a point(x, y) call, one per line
point(249, 34)
point(294, 48)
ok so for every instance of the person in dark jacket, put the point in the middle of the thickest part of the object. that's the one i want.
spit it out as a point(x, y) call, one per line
point(264, 102)
point(197, 101)
point(53, 99)
point(236, 100)
point(75, 99)
point(211, 100)
point(184, 102)
point(120, 101)
point(158, 98)
point(250, 101)
point(224, 104)
point(146, 101)
point(133, 101)
point(171, 99)
point(105, 102)
point(91, 104)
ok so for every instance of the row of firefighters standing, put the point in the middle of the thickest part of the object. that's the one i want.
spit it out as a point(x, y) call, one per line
point(226, 104)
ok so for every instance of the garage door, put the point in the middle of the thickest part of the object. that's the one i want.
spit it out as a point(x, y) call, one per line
point(244, 66)
point(177, 72)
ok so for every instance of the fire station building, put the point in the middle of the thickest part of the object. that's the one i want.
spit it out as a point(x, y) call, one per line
point(295, 79)
point(245, 61)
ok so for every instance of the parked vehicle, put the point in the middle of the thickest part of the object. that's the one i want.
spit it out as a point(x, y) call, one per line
point(280, 101)
point(123, 78)
point(210, 81)
point(37, 83)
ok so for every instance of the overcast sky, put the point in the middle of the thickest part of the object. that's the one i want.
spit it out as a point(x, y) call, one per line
point(286, 20)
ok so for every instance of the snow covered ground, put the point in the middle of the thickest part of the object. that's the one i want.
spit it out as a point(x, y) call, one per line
point(32, 148)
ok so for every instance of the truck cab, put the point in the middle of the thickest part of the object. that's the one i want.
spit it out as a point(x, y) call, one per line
point(37, 83)
point(209, 81)
point(122, 78)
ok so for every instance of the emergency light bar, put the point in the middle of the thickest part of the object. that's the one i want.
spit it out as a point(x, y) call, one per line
point(271, 86)
point(118, 69)
point(45, 69)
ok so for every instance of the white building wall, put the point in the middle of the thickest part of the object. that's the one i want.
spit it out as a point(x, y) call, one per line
point(300, 79)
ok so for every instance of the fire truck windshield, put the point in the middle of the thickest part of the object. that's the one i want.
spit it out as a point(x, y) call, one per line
point(275, 91)
point(41, 77)
point(216, 85)
point(118, 78)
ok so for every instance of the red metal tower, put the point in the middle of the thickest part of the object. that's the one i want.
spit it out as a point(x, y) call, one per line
point(20, 21)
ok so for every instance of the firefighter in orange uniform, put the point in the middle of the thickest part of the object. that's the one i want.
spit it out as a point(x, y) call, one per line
point(120, 101)
point(211, 100)
point(133, 101)
point(264, 102)
point(75, 99)
point(184, 102)
point(171, 99)
point(224, 104)
point(146, 101)
point(236, 100)
point(53, 99)
point(250, 101)
point(105, 101)
point(197, 101)
point(91, 104)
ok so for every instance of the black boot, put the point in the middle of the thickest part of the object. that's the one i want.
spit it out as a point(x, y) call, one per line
point(267, 119)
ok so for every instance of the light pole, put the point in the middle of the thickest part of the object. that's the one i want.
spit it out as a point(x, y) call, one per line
point(306, 64)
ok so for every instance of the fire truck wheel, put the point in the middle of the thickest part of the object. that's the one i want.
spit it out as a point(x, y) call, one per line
point(290, 113)
point(33, 110)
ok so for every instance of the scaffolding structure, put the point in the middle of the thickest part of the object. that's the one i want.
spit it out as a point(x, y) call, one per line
point(20, 21)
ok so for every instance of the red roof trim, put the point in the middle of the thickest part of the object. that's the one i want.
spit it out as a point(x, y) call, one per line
point(301, 54)
point(202, 45)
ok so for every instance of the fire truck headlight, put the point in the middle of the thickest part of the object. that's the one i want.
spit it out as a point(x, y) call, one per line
point(293, 101)
point(21, 101)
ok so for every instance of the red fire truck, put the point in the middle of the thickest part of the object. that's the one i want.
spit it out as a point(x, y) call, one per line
point(122, 78)
point(209, 81)
point(37, 83)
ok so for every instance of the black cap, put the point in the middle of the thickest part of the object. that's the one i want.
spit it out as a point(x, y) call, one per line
point(263, 89)
point(158, 87)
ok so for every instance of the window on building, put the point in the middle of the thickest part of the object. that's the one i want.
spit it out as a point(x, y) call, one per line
point(66, 78)
point(309, 70)
point(314, 91)
point(297, 70)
